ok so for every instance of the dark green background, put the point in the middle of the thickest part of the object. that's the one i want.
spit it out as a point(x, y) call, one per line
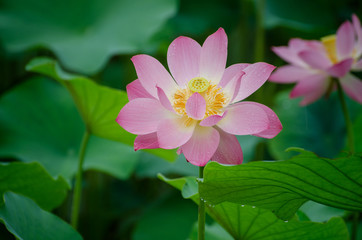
point(97, 38)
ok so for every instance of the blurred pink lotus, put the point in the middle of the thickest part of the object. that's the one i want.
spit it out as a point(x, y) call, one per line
point(197, 109)
point(313, 63)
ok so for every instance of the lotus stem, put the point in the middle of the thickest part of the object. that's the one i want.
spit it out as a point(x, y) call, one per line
point(201, 224)
point(78, 182)
point(346, 117)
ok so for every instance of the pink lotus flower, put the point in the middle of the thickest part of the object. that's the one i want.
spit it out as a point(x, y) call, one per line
point(313, 63)
point(197, 109)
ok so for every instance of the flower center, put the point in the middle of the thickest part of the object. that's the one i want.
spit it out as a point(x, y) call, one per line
point(198, 84)
point(215, 98)
point(329, 43)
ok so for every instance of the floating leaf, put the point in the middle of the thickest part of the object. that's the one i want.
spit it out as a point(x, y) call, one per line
point(98, 105)
point(83, 34)
point(31, 180)
point(284, 186)
point(26, 220)
point(39, 123)
point(251, 223)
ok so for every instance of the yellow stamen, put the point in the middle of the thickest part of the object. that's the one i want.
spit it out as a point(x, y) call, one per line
point(198, 84)
point(180, 99)
point(329, 42)
point(187, 121)
point(215, 100)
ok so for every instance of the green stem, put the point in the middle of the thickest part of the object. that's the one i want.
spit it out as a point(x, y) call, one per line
point(346, 117)
point(78, 182)
point(350, 136)
point(201, 232)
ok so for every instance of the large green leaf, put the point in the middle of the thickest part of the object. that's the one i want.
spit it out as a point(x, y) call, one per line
point(98, 105)
point(311, 127)
point(26, 220)
point(39, 122)
point(284, 186)
point(83, 34)
point(251, 223)
point(31, 180)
